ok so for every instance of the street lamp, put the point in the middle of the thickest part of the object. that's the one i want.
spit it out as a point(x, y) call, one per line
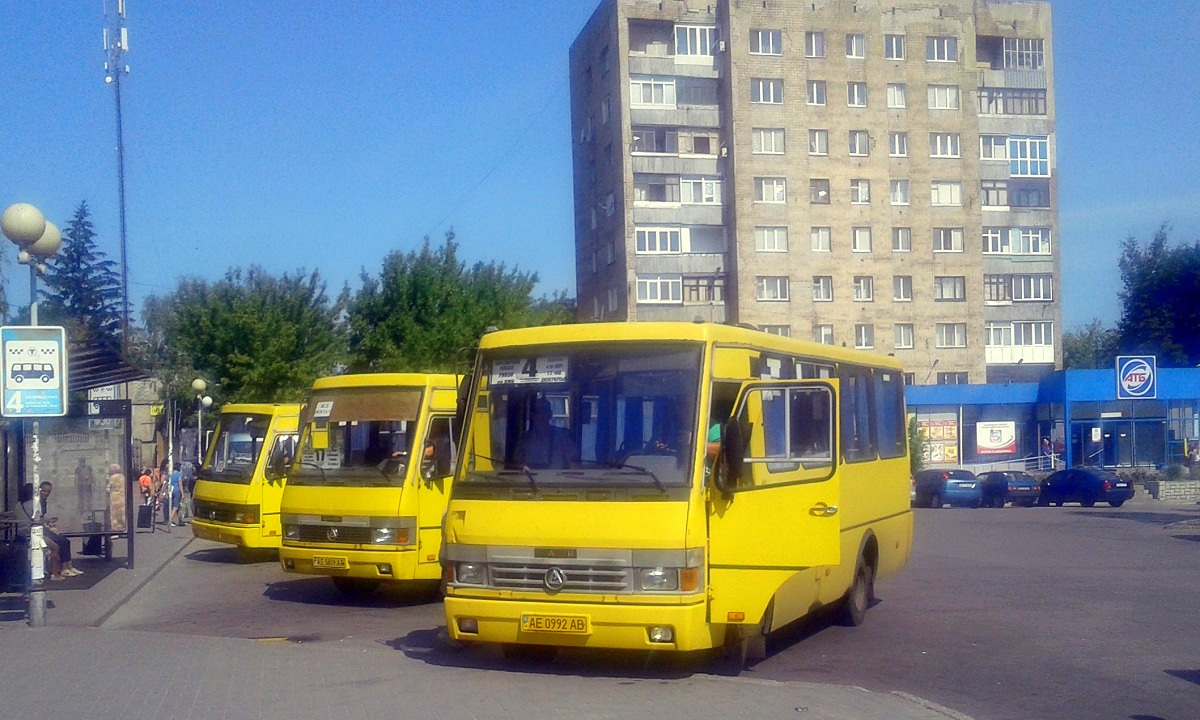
point(38, 240)
point(202, 401)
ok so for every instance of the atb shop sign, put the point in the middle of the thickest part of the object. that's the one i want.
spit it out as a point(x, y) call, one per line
point(1137, 377)
point(33, 372)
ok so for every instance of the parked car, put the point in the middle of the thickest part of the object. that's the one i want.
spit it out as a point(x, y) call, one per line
point(1001, 486)
point(935, 488)
point(1086, 486)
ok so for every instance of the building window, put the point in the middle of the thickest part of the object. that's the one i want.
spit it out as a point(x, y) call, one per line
point(947, 240)
point(897, 95)
point(767, 141)
point(660, 241)
point(856, 45)
point(1029, 193)
point(610, 204)
point(901, 239)
point(943, 145)
point(995, 241)
point(822, 288)
point(941, 49)
point(767, 91)
point(943, 97)
point(993, 193)
point(658, 91)
point(610, 251)
point(898, 192)
point(864, 336)
point(1012, 101)
point(766, 42)
point(1033, 241)
point(780, 330)
point(655, 188)
point(814, 44)
point(997, 289)
point(823, 334)
point(860, 143)
point(700, 191)
point(818, 191)
point(771, 239)
point(694, 41)
point(820, 239)
point(946, 192)
point(816, 92)
point(703, 144)
point(1024, 53)
point(898, 144)
point(1029, 156)
point(950, 289)
point(604, 60)
point(951, 335)
point(818, 142)
point(952, 378)
point(860, 239)
point(771, 288)
point(664, 141)
point(660, 289)
point(993, 147)
point(904, 335)
point(856, 94)
point(864, 288)
point(860, 191)
point(893, 47)
point(902, 288)
point(704, 289)
point(1033, 333)
point(770, 190)
point(1033, 288)
point(998, 334)
point(614, 299)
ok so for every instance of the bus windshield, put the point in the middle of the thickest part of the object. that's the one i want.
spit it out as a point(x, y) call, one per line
point(367, 434)
point(238, 444)
point(615, 416)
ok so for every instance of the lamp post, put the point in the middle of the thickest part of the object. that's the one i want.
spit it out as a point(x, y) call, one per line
point(37, 240)
point(202, 401)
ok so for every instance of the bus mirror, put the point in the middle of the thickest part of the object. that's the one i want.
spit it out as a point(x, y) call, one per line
point(732, 453)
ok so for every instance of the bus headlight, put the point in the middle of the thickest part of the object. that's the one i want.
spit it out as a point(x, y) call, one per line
point(658, 579)
point(383, 536)
point(470, 573)
point(291, 532)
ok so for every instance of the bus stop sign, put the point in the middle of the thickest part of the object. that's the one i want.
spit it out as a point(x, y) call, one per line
point(33, 372)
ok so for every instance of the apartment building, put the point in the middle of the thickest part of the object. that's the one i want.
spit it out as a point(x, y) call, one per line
point(871, 174)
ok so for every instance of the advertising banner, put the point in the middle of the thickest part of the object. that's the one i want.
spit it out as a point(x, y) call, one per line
point(996, 437)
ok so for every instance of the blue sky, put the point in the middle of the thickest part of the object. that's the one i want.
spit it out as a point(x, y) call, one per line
point(319, 134)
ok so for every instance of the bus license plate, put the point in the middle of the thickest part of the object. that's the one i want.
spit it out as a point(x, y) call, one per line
point(568, 624)
point(337, 563)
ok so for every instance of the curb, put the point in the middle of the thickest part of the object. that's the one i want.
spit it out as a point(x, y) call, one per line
point(124, 599)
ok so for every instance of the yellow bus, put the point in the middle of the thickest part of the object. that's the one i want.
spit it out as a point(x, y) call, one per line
point(233, 500)
point(695, 486)
point(366, 491)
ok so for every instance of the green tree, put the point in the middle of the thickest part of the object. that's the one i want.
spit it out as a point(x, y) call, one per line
point(82, 288)
point(1160, 314)
point(1091, 347)
point(426, 310)
point(916, 447)
point(258, 337)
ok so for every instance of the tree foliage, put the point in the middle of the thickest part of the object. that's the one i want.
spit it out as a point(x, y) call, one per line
point(916, 447)
point(427, 309)
point(258, 337)
point(1160, 313)
point(82, 287)
point(1091, 347)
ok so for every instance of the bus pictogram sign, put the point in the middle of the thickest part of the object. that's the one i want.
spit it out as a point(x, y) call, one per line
point(33, 372)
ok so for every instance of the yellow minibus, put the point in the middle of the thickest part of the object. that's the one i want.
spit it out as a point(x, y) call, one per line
point(233, 500)
point(367, 489)
point(672, 487)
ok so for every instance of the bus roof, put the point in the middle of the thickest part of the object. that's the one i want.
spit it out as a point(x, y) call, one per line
point(260, 409)
point(388, 380)
point(697, 332)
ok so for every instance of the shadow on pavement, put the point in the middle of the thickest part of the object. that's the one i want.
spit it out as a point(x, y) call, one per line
point(320, 591)
point(1192, 676)
point(1149, 518)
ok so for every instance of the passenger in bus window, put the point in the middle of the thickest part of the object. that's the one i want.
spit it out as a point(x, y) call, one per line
point(544, 445)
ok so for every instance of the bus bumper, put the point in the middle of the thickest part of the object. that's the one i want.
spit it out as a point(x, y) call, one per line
point(628, 627)
point(389, 564)
point(246, 536)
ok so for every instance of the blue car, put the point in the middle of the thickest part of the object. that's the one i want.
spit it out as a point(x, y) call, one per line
point(935, 488)
point(1086, 486)
point(1003, 486)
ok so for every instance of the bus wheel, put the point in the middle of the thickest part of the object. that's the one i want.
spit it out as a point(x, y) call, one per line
point(858, 598)
point(535, 654)
point(354, 587)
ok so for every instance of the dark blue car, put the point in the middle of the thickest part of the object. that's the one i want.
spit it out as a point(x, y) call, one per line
point(1004, 486)
point(935, 488)
point(1086, 486)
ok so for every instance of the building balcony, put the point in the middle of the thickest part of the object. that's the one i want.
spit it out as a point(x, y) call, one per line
point(1011, 354)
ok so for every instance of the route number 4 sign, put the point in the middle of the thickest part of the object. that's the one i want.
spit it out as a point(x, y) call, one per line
point(33, 372)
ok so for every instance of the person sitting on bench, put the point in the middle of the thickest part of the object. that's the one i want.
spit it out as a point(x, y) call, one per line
point(68, 569)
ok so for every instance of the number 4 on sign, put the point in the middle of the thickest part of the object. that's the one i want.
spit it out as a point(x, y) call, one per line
point(15, 405)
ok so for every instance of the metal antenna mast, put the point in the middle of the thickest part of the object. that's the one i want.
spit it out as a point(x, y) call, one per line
point(116, 44)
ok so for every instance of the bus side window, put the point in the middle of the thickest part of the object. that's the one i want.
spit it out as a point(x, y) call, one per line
point(786, 435)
